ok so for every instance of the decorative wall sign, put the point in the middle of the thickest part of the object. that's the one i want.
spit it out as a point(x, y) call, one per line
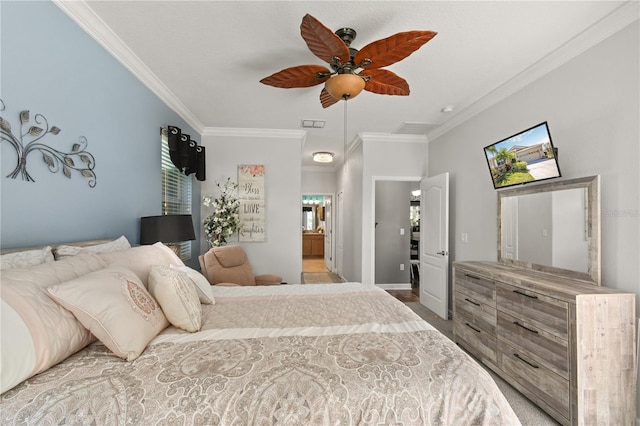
point(252, 202)
point(28, 140)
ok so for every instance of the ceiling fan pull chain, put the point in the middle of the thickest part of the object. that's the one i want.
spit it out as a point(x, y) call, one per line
point(345, 130)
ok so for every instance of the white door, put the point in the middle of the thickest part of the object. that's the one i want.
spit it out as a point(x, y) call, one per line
point(509, 227)
point(434, 244)
point(328, 232)
point(340, 235)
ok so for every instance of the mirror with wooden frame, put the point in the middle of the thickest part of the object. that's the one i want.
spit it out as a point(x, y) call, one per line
point(552, 227)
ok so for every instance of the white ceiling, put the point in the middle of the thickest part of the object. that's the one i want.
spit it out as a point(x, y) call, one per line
point(205, 58)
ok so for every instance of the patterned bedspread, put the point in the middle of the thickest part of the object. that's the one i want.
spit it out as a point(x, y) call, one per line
point(323, 354)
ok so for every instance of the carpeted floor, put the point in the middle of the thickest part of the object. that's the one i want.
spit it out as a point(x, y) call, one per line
point(528, 413)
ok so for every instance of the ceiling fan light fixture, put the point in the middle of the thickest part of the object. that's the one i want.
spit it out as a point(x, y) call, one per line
point(344, 86)
point(323, 157)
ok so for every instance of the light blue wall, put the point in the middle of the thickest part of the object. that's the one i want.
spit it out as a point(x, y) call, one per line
point(50, 66)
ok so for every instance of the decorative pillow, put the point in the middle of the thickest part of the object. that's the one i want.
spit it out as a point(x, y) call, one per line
point(114, 305)
point(24, 259)
point(139, 259)
point(177, 296)
point(35, 332)
point(116, 245)
point(202, 285)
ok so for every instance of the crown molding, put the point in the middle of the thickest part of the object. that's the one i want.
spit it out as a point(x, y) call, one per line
point(255, 133)
point(85, 17)
point(620, 18)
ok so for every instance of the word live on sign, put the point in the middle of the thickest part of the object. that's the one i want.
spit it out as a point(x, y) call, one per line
point(252, 202)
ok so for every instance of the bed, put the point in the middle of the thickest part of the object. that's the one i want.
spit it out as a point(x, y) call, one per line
point(291, 354)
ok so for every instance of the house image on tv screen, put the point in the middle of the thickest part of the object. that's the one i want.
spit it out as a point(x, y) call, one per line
point(525, 157)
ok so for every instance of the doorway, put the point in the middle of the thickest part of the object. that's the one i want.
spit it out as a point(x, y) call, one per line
point(433, 242)
point(317, 233)
point(396, 236)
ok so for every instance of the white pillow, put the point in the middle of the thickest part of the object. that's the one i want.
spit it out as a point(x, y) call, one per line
point(114, 305)
point(203, 287)
point(36, 332)
point(139, 259)
point(177, 296)
point(26, 258)
point(116, 245)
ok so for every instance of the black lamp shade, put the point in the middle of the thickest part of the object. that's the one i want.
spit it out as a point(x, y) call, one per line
point(167, 229)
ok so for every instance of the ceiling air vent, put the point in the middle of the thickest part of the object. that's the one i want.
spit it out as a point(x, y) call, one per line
point(415, 128)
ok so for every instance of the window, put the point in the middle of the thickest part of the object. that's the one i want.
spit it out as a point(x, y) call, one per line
point(176, 191)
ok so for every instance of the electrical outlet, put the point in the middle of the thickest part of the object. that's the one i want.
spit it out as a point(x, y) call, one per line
point(401, 231)
point(464, 237)
point(402, 266)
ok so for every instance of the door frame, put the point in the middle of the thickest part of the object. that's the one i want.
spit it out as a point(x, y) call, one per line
point(372, 254)
point(332, 265)
point(338, 240)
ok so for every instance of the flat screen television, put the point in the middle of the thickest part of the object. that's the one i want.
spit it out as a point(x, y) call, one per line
point(526, 157)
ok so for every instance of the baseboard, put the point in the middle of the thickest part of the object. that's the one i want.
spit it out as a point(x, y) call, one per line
point(401, 286)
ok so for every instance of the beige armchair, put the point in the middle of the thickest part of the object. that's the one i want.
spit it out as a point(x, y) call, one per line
point(229, 265)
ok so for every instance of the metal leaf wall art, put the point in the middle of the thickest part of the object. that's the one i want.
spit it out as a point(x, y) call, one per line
point(29, 139)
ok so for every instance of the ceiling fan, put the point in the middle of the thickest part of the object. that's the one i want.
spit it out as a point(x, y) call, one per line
point(344, 81)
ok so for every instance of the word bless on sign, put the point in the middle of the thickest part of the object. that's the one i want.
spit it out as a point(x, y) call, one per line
point(252, 202)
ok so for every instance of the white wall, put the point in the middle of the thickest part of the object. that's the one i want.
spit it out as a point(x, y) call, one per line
point(374, 157)
point(570, 245)
point(350, 185)
point(592, 106)
point(319, 181)
point(392, 203)
point(280, 152)
point(535, 229)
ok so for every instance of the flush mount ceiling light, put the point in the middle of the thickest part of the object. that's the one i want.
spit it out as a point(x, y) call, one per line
point(323, 157)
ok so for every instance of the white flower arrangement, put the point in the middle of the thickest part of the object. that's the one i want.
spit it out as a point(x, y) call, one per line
point(223, 222)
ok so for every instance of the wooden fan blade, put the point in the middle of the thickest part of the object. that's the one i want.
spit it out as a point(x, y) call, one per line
point(385, 82)
point(326, 99)
point(393, 49)
point(322, 42)
point(300, 76)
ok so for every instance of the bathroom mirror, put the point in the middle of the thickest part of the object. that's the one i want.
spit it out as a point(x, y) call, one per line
point(552, 227)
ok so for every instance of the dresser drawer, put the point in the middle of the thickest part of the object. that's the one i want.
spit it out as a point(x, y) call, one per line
point(477, 341)
point(536, 380)
point(545, 313)
point(542, 347)
point(479, 314)
point(476, 287)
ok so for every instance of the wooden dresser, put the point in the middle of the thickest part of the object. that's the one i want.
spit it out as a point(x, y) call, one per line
point(566, 345)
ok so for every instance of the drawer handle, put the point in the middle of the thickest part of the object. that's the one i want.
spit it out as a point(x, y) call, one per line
point(472, 327)
point(525, 294)
point(473, 277)
point(472, 302)
point(526, 328)
point(525, 361)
